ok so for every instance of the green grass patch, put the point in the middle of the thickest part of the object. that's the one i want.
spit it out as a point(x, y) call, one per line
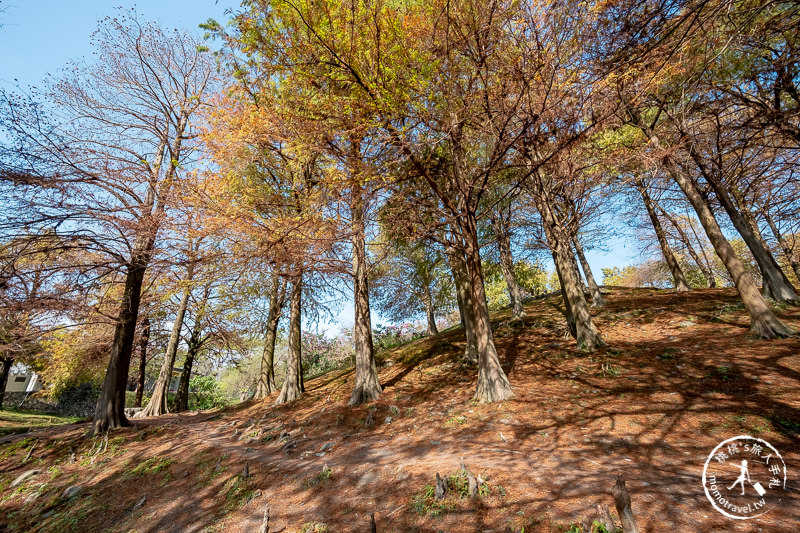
point(151, 467)
point(13, 421)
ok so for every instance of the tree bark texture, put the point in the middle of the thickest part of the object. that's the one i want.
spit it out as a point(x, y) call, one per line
point(110, 410)
point(292, 386)
point(702, 263)
point(458, 267)
point(762, 320)
point(193, 348)
point(785, 248)
point(678, 277)
point(7, 363)
point(158, 401)
point(503, 235)
point(776, 284)
point(493, 384)
point(430, 314)
point(559, 240)
point(597, 296)
point(140, 381)
point(266, 375)
point(367, 386)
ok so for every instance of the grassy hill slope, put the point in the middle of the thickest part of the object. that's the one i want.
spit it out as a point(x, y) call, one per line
point(681, 373)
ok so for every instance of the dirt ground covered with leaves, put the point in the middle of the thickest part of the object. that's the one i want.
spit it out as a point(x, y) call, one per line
point(680, 374)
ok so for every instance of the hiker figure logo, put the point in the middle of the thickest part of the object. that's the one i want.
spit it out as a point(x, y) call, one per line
point(744, 477)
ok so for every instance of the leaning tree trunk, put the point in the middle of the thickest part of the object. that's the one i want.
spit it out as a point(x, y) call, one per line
point(752, 223)
point(785, 248)
point(503, 236)
point(367, 387)
point(140, 381)
point(7, 363)
point(158, 401)
point(701, 263)
point(429, 313)
point(675, 269)
point(458, 267)
point(493, 384)
point(762, 320)
point(266, 376)
point(110, 410)
point(776, 284)
point(779, 286)
point(586, 334)
point(597, 296)
point(192, 349)
point(292, 387)
point(573, 330)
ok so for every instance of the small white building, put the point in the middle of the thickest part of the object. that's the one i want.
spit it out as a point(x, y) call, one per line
point(23, 379)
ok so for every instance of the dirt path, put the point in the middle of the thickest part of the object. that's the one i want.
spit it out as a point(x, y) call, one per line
point(680, 375)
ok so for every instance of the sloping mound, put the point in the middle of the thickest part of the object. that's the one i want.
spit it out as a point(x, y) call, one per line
point(681, 373)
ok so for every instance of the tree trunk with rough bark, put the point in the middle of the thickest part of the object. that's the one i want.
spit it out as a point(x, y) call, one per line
point(597, 296)
point(573, 330)
point(775, 281)
point(367, 386)
point(785, 248)
point(762, 320)
point(192, 349)
point(430, 314)
point(140, 381)
point(586, 334)
point(110, 410)
point(158, 401)
point(559, 240)
point(493, 384)
point(458, 267)
point(702, 263)
point(292, 387)
point(503, 236)
point(266, 375)
point(675, 269)
point(7, 363)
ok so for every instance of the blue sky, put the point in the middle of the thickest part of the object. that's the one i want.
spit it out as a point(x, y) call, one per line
point(40, 37)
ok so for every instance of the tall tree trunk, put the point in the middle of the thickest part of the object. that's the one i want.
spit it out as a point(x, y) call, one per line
point(675, 269)
point(702, 263)
point(140, 382)
point(7, 363)
point(785, 248)
point(493, 384)
point(597, 296)
point(779, 286)
point(429, 313)
point(573, 330)
point(158, 401)
point(292, 386)
point(577, 270)
point(776, 284)
point(753, 224)
point(266, 376)
point(193, 348)
point(367, 386)
point(586, 334)
point(458, 267)
point(110, 410)
point(460, 304)
point(503, 236)
point(762, 320)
